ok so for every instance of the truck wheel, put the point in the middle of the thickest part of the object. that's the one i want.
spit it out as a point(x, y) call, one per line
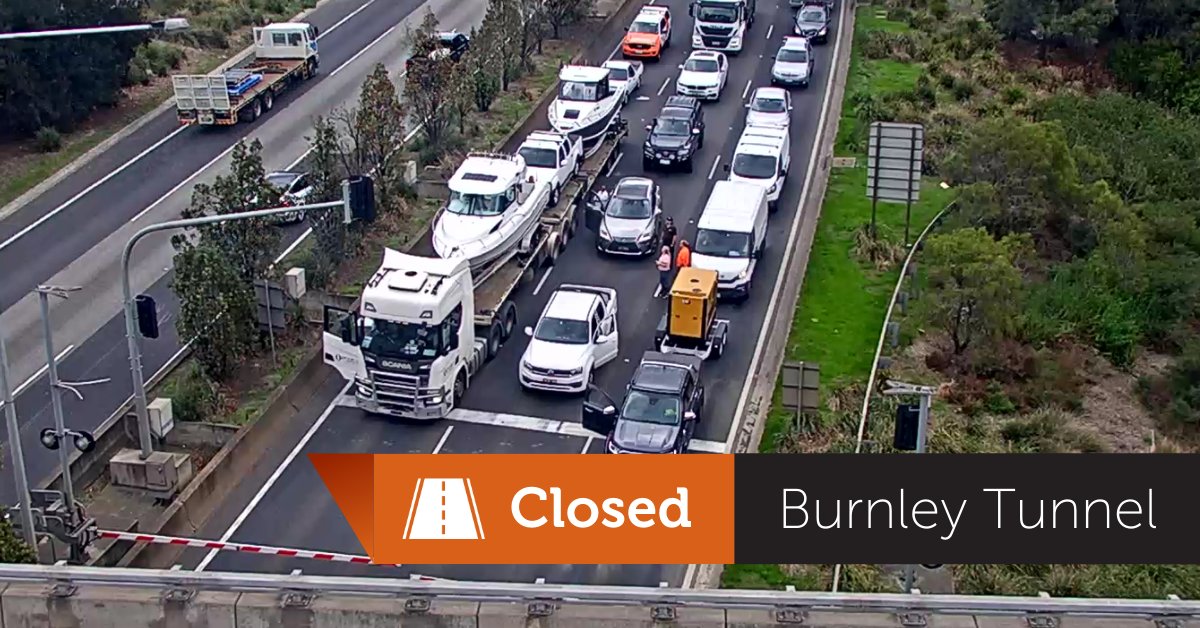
point(268, 100)
point(493, 340)
point(310, 68)
point(459, 389)
point(508, 320)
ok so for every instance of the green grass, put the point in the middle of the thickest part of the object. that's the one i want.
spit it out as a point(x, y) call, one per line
point(877, 76)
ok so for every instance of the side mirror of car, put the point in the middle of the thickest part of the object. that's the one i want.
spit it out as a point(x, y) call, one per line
point(528, 331)
point(609, 410)
point(649, 127)
point(726, 167)
point(689, 415)
point(681, 66)
point(696, 130)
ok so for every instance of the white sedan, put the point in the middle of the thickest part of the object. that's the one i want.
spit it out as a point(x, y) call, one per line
point(625, 75)
point(769, 106)
point(575, 335)
point(703, 76)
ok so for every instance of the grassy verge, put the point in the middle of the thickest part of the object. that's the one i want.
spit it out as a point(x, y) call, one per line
point(220, 28)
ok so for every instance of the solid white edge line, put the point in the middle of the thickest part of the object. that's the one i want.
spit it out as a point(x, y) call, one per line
point(712, 171)
point(541, 283)
point(184, 182)
point(363, 51)
point(442, 442)
point(275, 475)
point(71, 201)
point(292, 247)
point(40, 372)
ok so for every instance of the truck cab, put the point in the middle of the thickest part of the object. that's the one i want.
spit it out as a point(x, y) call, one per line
point(659, 411)
point(552, 158)
point(721, 24)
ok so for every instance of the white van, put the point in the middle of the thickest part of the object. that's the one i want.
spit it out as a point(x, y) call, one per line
point(731, 235)
point(762, 157)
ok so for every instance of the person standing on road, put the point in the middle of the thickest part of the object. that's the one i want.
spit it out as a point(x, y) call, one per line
point(669, 234)
point(664, 272)
point(684, 258)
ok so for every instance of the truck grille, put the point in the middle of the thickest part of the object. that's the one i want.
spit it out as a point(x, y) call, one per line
point(719, 31)
point(395, 390)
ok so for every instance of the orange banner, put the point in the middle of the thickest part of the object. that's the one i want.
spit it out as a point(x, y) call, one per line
point(535, 508)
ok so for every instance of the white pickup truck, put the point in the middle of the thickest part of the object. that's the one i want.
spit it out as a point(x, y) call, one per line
point(553, 158)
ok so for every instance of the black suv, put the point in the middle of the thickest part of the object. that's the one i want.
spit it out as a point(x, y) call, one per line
point(660, 411)
point(675, 135)
point(452, 43)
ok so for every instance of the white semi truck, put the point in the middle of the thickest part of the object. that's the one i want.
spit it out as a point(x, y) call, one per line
point(722, 25)
point(424, 326)
point(284, 54)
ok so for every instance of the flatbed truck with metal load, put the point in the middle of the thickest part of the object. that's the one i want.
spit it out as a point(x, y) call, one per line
point(284, 54)
point(424, 326)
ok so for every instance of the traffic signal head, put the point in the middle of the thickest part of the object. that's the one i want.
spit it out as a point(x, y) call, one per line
point(147, 316)
point(359, 198)
point(908, 419)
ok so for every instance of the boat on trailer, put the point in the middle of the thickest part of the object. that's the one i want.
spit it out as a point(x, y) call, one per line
point(587, 104)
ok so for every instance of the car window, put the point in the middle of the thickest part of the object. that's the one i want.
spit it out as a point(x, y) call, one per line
point(672, 126)
point(722, 244)
point(538, 157)
point(812, 15)
point(643, 27)
point(651, 407)
point(792, 55)
point(768, 104)
point(701, 65)
point(562, 330)
point(619, 74)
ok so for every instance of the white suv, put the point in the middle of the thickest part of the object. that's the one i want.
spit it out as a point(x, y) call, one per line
point(576, 334)
point(703, 76)
point(763, 156)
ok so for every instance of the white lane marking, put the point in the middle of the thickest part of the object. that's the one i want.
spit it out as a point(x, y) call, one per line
point(712, 171)
point(183, 183)
point(770, 30)
point(746, 91)
point(262, 491)
point(664, 86)
point(587, 444)
point(545, 276)
point(613, 167)
point(40, 372)
point(442, 441)
point(138, 157)
point(735, 429)
point(550, 426)
point(292, 247)
point(363, 51)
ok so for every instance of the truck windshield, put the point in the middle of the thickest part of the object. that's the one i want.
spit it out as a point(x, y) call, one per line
point(723, 243)
point(724, 13)
point(562, 330)
point(402, 340)
point(476, 204)
point(539, 157)
point(579, 91)
point(754, 166)
point(651, 407)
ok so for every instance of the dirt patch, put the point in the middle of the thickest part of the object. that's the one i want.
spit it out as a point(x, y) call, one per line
point(1088, 70)
point(1112, 410)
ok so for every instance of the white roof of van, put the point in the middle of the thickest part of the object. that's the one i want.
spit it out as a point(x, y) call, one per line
point(731, 206)
point(762, 140)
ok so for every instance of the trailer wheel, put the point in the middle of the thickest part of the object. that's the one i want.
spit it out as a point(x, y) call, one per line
point(251, 113)
point(268, 100)
point(508, 320)
point(493, 340)
point(720, 348)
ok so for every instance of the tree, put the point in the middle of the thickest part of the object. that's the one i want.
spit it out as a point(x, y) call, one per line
point(483, 70)
point(325, 170)
point(58, 82)
point(429, 88)
point(1074, 23)
point(974, 284)
point(380, 132)
point(560, 13)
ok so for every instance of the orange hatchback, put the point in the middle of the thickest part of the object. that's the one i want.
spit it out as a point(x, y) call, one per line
point(649, 34)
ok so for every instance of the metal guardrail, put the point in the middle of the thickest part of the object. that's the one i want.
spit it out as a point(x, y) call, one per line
point(600, 595)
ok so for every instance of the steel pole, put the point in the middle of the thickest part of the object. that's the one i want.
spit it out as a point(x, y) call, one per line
point(66, 32)
point(18, 454)
point(923, 425)
point(60, 428)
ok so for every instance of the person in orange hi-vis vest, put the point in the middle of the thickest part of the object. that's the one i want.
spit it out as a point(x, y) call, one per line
point(684, 258)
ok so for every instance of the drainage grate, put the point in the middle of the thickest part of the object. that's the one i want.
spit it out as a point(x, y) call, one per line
point(1042, 621)
point(662, 613)
point(540, 609)
point(296, 600)
point(912, 620)
point(790, 615)
point(417, 605)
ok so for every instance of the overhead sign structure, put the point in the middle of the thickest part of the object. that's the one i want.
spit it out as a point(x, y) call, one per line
point(895, 154)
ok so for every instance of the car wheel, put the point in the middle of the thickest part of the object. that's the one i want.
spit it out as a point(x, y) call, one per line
point(554, 196)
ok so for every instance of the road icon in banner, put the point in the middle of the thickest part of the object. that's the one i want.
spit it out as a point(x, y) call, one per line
point(443, 508)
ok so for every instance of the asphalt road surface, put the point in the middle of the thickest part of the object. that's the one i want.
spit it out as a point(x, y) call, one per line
point(73, 234)
point(284, 502)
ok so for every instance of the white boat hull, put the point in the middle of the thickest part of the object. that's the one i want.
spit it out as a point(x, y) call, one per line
point(593, 132)
point(456, 236)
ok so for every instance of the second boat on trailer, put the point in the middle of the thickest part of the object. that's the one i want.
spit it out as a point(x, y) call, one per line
point(587, 104)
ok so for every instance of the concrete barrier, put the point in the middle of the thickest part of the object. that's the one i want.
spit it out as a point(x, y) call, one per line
point(99, 606)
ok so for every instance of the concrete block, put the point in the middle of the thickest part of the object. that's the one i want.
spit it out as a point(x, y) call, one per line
point(267, 610)
point(764, 618)
point(993, 621)
point(516, 615)
point(115, 607)
point(163, 473)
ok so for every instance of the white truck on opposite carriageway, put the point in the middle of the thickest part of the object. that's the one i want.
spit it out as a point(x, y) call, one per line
point(284, 54)
point(424, 326)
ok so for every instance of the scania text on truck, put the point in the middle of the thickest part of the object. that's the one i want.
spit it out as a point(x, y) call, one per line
point(284, 55)
point(721, 24)
point(424, 326)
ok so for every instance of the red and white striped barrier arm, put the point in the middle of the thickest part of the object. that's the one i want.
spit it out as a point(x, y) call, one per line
point(226, 546)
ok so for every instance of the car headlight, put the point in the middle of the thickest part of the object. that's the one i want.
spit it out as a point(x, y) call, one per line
point(745, 273)
point(771, 190)
point(647, 234)
point(612, 448)
point(735, 42)
point(823, 30)
point(604, 234)
point(683, 152)
point(435, 400)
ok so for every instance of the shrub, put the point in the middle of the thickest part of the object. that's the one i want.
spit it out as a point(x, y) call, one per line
point(48, 140)
point(194, 396)
point(1013, 94)
point(1048, 431)
point(925, 92)
point(964, 88)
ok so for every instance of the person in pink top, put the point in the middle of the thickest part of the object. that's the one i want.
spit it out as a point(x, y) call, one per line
point(663, 263)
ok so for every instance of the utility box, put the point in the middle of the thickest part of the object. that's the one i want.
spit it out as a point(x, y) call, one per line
point(293, 283)
point(693, 304)
point(162, 474)
point(162, 418)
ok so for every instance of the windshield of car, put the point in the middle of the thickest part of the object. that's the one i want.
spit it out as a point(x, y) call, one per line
point(539, 157)
point(754, 166)
point(768, 104)
point(630, 203)
point(477, 204)
point(402, 340)
point(700, 65)
point(722, 243)
point(672, 126)
point(579, 91)
point(812, 15)
point(643, 27)
point(718, 14)
point(791, 55)
point(562, 330)
point(281, 181)
point(651, 407)
point(618, 74)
